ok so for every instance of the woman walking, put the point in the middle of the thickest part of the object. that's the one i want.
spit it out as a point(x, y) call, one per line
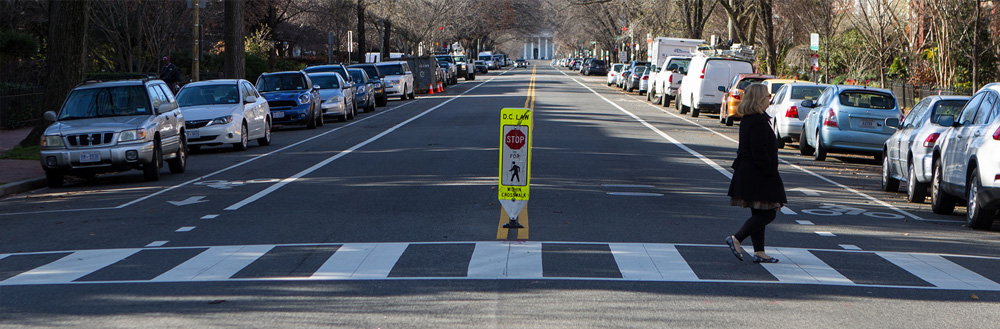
point(756, 183)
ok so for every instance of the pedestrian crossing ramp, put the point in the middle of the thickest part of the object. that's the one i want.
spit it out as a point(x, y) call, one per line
point(499, 260)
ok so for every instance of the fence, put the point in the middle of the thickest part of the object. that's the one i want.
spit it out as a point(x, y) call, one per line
point(909, 94)
point(18, 107)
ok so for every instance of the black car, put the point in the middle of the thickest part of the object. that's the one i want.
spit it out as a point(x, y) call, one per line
point(596, 67)
point(374, 74)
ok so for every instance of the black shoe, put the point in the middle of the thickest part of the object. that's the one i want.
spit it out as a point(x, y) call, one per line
point(732, 247)
point(764, 260)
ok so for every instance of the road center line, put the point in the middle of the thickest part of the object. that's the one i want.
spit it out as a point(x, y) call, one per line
point(315, 167)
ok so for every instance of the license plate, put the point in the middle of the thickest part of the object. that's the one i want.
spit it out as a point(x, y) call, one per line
point(192, 134)
point(277, 115)
point(868, 124)
point(90, 156)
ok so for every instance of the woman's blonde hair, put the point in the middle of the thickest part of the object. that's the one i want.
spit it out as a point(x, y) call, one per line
point(755, 100)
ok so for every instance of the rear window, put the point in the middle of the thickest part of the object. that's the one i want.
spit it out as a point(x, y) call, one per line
point(807, 92)
point(281, 82)
point(326, 81)
point(597, 62)
point(391, 69)
point(681, 63)
point(952, 108)
point(869, 100)
point(743, 84)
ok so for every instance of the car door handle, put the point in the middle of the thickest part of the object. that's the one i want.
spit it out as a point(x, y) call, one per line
point(977, 134)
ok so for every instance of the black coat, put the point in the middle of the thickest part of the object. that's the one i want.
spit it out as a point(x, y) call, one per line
point(755, 176)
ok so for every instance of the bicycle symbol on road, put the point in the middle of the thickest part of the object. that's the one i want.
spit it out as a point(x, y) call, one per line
point(830, 209)
point(225, 185)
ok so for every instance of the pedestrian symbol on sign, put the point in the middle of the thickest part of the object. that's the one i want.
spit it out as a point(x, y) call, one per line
point(515, 170)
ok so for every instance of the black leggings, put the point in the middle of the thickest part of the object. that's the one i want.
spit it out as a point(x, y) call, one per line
point(754, 227)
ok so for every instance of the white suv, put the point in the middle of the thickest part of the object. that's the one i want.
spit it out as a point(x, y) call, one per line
point(110, 126)
point(398, 79)
point(967, 160)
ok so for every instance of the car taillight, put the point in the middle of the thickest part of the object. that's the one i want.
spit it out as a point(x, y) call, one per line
point(702, 73)
point(735, 94)
point(931, 139)
point(793, 112)
point(831, 119)
point(645, 77)
point(996, 134)
point(671, 78)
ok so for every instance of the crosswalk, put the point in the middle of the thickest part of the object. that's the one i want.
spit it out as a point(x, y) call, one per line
point(499, 260)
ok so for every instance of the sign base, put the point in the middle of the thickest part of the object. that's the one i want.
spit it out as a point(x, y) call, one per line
point(513, 207)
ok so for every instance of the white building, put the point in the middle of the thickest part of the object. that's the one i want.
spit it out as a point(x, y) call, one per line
point(538, 47)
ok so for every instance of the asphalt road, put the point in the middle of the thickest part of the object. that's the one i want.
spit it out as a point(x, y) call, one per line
point(392, 221)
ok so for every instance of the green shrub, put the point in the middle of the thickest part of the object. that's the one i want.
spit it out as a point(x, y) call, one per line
point(254, 67)
point(17, 45)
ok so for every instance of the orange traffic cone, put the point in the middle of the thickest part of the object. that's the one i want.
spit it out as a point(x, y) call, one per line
point(440, 87)
point(431, 90)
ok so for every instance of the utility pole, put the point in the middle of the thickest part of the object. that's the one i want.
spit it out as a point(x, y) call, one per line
point(195, 53)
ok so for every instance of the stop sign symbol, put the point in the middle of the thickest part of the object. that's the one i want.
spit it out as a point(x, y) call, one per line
point(515, 139)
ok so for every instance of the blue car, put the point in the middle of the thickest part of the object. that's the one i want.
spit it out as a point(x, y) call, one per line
point(364, 89)
point(849, 119)
point(292, 97)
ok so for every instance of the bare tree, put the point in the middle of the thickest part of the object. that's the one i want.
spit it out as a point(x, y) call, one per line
point(879, 25)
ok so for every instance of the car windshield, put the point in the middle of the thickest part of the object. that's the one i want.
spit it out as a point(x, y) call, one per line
point(743, 84)
point(485, 58)
point(949, 107)
point(326, 81)
point(358, 75)
point(208, 94)
point(370, 70)
point(280, 82)
point(681, 63)
point(867, 99)
point(597, 62)
point(807, 92)
point(446, 59)
point(105, 102)
point(618, 67)
point(458, 58)
point(639, 70)
point(391, 69)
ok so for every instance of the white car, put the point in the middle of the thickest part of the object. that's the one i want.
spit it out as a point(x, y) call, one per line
point(967, 160)
point(224, 112)
point(398, 79)
point(786, 111)
point(338, 99)
point(664, 84)
point(699, 90)
point(614, 72)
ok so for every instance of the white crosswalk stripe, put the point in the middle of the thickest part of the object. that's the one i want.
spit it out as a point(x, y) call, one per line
point(490, 260)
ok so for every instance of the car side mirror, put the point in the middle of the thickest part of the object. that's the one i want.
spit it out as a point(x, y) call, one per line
point(50, 116)
point(946, 120)
point(808, 103)
point(250, 99)
point(316, 87)
point(722, 89)
point(164, 107)
point(892, 122)
point(408, 72)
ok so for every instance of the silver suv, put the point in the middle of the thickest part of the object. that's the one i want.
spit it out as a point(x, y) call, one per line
point(111, 126)
point(966, 160)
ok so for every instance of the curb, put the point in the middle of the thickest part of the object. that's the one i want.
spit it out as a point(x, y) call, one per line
point(22, 186)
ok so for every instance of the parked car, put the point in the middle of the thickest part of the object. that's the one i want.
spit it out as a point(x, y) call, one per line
point(381, 98)
point(338, 100)
point(623, 77)
point(644, 83)
point(774, 84)
point(292, 98)
point(699, 89)
point(614, 72)
point(966, 160)
point(224, 112)
point(849, 119)
point(596, 67)
point(456, 70)
point(114, 126)
point(338, 68)
point(732, 95)
point(481, 67)
point(398, 79)
point(664, 84)
point(784, 109)
point(909, 152)
point(466, 66)
point(633, 78)
point(520, 62)
point(365, 93)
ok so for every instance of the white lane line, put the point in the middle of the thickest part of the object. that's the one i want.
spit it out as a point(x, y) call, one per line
point(344, 262)
point(185, 229)
point(634, 262)
point(788, 211)
point(323, 163)
point(801, 266)
point(669, 262)
point(827, 234)
point(634, 194)
point(627, 186)
point(849, 247)
point(157, 243)
point(380, 261)
point(216, 263)
point(210, 216)
point(804, 222)
point(71, 267)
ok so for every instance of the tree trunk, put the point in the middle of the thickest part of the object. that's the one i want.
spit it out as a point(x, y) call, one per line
point(65, 61)
point(387, 32)
point(766, 18)
point(362, 47)
point(234, 64)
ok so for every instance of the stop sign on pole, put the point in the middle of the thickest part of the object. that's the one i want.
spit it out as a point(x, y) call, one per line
point(515, 139)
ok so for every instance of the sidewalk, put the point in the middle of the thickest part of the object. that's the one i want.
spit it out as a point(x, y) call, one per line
point(17, 176)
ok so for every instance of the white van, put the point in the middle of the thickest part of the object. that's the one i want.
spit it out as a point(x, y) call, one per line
point(700, 88)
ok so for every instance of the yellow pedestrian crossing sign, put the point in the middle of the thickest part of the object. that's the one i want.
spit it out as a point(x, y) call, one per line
point(515, 155)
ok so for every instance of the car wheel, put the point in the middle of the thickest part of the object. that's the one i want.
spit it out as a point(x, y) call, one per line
point(682, 108)
point(319, 118)
point(178, 164)
point(266, 140)
point(941, 202)
point(54, 178)
point(311, 123)
point(804, 147)
point(889, 184)
point(244, 139)
point(151, 170)
point(916, 191)
point(777, 135)
point(354, 110)
point(977, 216)
point(649, 96)
point(666, 100)
point(695, 111)
point(412, 96)
point(820, 150)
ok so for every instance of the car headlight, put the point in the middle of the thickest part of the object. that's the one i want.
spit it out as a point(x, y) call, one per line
point(336, 99)
point(304, 99)
point(221, 121)
point(52, 141)
point(132, 135)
